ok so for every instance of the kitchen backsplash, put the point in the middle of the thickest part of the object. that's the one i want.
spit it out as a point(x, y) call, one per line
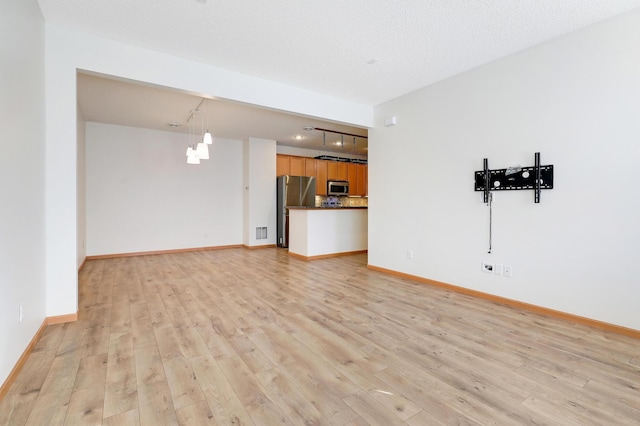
point(343, 201)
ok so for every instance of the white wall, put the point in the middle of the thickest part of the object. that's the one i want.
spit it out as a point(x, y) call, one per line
point(577, 101)
point(81, 225)
point(143, 196)
point(22, 186)
point(260, 190)
point(68, 51)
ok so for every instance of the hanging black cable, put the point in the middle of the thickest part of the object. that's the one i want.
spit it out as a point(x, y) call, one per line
point(490, 219)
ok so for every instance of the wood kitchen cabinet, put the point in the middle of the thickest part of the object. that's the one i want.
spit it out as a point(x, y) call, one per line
point(310, 167)
point(283, 165)
point(321, 177)
point(357, 179)
point(324, 170)
point(332, 170)
point(343, 173)
point(297, 166)
point(361, 183)
point(366, 179)
point(337, 170)
point(352, 177)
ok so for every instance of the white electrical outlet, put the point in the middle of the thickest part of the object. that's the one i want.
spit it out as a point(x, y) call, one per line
point(507, 271)
point(409, 254)
point(21, 315)
point(487, 267)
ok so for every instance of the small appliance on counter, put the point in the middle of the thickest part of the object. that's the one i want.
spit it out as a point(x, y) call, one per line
point(331, 202)
point(293, 191)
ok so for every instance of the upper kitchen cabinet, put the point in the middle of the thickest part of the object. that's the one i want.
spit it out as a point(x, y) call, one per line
point(321, 177)
point(309, 167)
point(366, 180)
point(283, 165)
point(324, 170)
point(357, 177)
point(343, 171)
point(337, 170)
point(352, 177)
point(290, 165)
point(332, 170)
point(297, 166)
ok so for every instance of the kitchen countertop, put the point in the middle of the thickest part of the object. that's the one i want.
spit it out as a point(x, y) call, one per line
point(327, 208)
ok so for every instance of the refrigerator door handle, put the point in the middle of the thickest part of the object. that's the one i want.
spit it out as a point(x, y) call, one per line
point(306, 189)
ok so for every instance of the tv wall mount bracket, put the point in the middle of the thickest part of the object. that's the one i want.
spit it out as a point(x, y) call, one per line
point(514, 178)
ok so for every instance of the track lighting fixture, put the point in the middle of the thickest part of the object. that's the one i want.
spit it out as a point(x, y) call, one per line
point(342, 135)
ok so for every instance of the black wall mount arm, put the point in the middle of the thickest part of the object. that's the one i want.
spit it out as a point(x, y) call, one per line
point(514, 178)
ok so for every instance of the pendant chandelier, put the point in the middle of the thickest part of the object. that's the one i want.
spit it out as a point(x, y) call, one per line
point(197, 151)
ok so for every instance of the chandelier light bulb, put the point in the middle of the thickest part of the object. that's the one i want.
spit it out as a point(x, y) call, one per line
point(207, 138)
point(193, 159)
point(202, 151)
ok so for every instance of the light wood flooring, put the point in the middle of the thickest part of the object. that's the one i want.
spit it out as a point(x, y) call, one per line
point(250, 337)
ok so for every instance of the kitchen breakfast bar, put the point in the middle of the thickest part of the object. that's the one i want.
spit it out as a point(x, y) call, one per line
point(321, 232)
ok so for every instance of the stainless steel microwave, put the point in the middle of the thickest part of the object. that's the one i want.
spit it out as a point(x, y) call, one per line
point(337, 187)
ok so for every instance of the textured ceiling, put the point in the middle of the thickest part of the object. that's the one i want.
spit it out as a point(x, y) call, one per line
point(126, 103)
point(365, 51)
point(326, 46)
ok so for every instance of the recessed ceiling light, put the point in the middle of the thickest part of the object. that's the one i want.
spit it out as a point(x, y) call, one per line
point(173, 124)
point(372, 61)
point(308, 128)
point(298, 137)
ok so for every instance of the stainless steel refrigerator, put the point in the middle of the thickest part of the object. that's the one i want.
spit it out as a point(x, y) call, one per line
point(293, 191)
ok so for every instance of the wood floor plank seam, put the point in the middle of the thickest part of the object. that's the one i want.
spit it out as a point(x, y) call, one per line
point(257, 337)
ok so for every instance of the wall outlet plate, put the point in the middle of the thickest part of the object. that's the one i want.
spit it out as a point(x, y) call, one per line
point(507, 271)
point(498, 269)
point(487, 267)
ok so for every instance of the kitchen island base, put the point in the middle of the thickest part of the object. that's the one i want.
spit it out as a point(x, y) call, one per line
point(318, 233)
